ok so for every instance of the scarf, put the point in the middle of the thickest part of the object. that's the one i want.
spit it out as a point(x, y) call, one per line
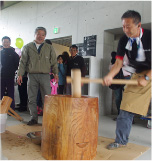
point(140, 54)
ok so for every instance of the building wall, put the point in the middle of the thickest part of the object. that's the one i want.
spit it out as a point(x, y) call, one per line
point(75, 18)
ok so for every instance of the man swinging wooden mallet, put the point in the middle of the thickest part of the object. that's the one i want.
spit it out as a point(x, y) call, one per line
point(136, 44)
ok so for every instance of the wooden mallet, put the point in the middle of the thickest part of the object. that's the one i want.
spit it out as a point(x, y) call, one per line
point(76, 81)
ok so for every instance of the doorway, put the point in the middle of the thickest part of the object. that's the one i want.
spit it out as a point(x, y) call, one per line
point(61, 44)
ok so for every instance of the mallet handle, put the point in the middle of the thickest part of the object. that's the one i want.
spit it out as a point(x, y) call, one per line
point(114, 81)
point(76, 83)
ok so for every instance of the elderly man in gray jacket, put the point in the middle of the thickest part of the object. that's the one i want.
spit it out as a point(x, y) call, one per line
point(38, 59)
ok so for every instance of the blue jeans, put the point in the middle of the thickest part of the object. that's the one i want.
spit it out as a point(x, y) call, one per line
point(123, 127)
point(118, 97)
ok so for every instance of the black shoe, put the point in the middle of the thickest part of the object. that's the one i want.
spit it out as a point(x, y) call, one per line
point(22, 109)
point(32, 122)
point(18, 105)
point(115, 119)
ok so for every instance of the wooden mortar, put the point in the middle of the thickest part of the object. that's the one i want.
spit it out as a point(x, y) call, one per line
point(70, 127)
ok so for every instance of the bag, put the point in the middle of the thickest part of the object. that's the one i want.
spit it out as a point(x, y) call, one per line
point(118, 76)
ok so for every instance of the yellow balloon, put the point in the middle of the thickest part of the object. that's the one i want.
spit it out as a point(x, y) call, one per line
point(19, 43)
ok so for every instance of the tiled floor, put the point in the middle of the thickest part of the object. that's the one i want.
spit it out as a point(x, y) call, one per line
point(140, 134)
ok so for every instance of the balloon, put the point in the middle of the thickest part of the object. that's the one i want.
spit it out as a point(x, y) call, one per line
point(19, 43)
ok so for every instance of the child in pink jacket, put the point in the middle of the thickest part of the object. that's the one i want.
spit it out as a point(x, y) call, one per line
point(53, 84)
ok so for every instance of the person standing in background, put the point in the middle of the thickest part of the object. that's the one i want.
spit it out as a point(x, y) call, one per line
point(1, 47)
point(62, 74)
point(37, 59)
point(65, 57)
point(65, 61)
point(53, 84)
point(39, 98)
point(74, 62)
point(9, 64)
point(48, 41)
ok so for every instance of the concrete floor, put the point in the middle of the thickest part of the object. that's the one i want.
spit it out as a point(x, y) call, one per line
point(140, 134)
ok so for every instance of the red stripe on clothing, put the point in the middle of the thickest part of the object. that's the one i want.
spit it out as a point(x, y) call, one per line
point(119, 57)
point(142, 30)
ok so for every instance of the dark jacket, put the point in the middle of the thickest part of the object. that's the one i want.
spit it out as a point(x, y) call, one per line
point(76, 62)
point(9, 63)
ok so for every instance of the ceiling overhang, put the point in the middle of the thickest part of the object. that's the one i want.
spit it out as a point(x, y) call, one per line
point(6, 4)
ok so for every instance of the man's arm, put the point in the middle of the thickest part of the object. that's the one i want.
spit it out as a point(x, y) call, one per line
point(114, 71)
point(22, 65)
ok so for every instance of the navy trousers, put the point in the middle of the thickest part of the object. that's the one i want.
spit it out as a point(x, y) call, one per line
point(23, 92)
point(7, 84)
point(118, 97)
